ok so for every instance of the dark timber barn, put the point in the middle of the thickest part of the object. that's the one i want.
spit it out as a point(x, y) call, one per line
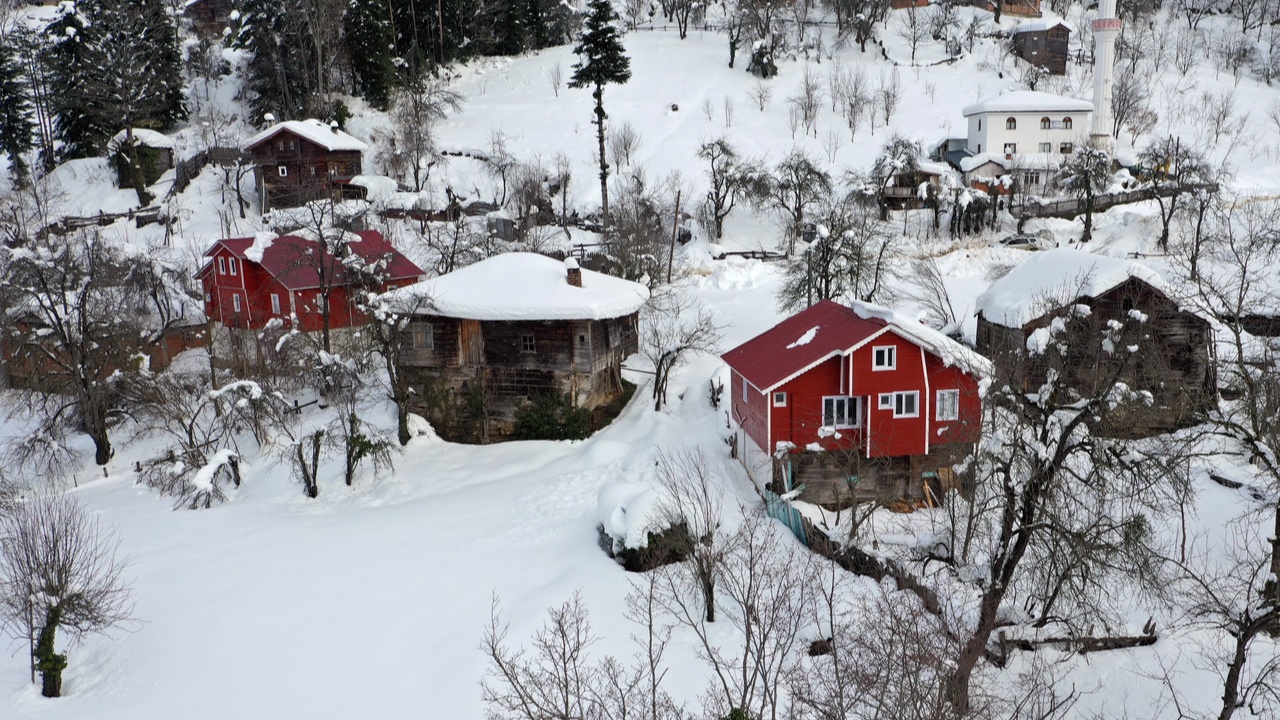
point(1168, 353)
point(490, 337)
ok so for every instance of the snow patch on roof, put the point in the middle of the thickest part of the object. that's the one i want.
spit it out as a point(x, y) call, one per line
point(1054, 278)
point(261, 241)
point(144, 138)
point(1028, 101)
point(804, 339)
point(524, 286)
point(311, 130)
point(1024, 161)
point(1040, 25)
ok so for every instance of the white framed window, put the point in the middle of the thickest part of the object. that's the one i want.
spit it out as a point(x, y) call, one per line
point(1010, 148)
point(222, 265)
point(906, 404)
point(779, 399)
point(1032, 177)
point(235, 302)
point(528, 343)
point(886, 401)
point(1066, 148)
point(1046, 147)
point(840, 411)
point(424, 338)
point(275, 304)
point(744, 389)
point(1066, 123)
point(231, 263)
point(884, 357)
point(947, 406)
point(283, 170)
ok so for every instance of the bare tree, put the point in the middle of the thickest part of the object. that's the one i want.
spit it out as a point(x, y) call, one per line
point(555, 76)
point(795, 185)
point(760, 93)
point(850, 259)
point(673, 326)
point(914, 28)
point(691, 500)
point(1175, 168)
point(416, 108)
point(624, 141)
point(730, 176)
point(83, 312)
point(61, 571)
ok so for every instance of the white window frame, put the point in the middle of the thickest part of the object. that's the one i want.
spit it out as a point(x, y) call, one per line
point(1046, 147)
point(891, 352)
point(885, 401)
point(898, 399)
point(283, 170)
point(235, 302)
point(275, 304)
point(744, 390)
point(951, 405)
point(1011, 148)
point(851, 415)
point(779, 399)
point(231, 264)
point(222, 265)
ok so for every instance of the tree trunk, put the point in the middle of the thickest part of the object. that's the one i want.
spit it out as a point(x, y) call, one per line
point(1231, 684)
point(48, 661)
point(604, 163)
point(1272, 588)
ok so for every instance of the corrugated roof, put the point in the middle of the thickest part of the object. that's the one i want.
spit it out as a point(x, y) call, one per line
point(782, 352)
point(291, 259)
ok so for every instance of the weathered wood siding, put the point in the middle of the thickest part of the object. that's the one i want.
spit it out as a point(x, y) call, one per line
point(1173, 360)
point(580, 359)
point(310, 169)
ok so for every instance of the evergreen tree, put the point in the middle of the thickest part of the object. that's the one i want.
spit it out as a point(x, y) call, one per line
point(601, 60)
point(370, 38)
point(510, 28)
point(537, 24)
point(16, 131)
point(273, 82)
point(117, 65)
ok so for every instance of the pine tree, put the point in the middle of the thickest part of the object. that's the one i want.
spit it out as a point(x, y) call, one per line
point(274, 84)
point(536, 27)
point(16, 130)
point(601, 60)
point(370, 39)
point(510, 28)
point(67, 65)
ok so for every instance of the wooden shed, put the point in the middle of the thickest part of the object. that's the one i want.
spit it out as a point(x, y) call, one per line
point(302, 160)
point(1169, 350)
point(1043, 43)
point(488, 338)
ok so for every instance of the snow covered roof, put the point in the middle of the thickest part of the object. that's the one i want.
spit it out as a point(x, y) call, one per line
point(1023, 161)
point(828, 329)
point(288, 258)
point(1040, 25)
point(1028, 101)
point(320, 133)
point(145, 138)
point(525, 286)
point(1052, 279)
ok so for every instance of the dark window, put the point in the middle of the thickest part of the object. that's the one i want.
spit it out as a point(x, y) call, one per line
point(1066, 123)
point(424, 338)
point(1010, 148)
point(1065, 148)
point(839, 411)
point(1045, 123)
point(1011, 124)
point(527, 343)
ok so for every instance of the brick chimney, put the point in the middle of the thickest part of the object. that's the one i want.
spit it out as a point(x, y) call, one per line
point(574, 273)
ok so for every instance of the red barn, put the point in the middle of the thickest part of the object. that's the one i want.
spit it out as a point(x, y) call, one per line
point(251, 281)
point(857, 403)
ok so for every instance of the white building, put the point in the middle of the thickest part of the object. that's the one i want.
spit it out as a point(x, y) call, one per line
point(1027, 132)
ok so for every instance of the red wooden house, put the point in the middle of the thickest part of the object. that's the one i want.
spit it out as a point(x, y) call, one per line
point(251, 281)
point(857, 403)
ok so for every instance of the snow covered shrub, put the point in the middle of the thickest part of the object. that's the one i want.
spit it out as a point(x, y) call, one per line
point(551, 417)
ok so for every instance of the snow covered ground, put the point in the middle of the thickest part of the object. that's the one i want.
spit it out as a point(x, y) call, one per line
point(371, 601)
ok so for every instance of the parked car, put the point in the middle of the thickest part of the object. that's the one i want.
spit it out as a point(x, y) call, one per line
point(1026, 242)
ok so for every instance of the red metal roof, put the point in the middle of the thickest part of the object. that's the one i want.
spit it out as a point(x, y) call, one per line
point(778, 354)
point(291, 259)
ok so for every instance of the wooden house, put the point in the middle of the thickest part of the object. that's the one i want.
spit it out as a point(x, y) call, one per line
point(302, 160)
point(1017, 8)
point(857, 403)
point(1043, 43)
point(904, 191)
point(488, 338)
point(252, 281)
point(209, 16)
point(1167, 350)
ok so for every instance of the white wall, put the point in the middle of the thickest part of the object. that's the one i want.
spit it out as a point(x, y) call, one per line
point(993, 136)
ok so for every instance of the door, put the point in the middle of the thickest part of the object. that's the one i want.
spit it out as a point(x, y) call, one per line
point(470, 343)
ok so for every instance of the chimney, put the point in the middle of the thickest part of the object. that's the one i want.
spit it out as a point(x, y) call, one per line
point(574, 274)
point(268, 118)
point(333, 125)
